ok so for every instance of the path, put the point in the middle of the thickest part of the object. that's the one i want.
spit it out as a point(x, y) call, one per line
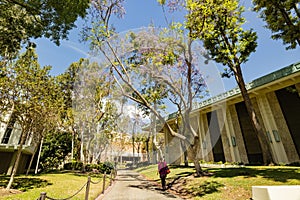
point(132, 186)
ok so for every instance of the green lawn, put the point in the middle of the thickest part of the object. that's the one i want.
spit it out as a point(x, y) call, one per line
point(56, 185)
point(224, 183)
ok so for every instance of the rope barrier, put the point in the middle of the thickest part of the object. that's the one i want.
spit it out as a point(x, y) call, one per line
point(46, 197)
point(43, 195)
point(96, 182)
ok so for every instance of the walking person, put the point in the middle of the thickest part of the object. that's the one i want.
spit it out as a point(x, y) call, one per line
point(163, 170)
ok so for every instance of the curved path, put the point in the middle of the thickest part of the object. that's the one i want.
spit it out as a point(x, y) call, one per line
point(132, 186)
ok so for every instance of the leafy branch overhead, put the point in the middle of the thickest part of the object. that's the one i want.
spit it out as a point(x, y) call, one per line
point(282, 18)
point(23, 20)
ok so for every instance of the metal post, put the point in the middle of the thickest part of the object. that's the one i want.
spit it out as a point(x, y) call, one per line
point(103, 186)
point(43, 195)
point(87, 188)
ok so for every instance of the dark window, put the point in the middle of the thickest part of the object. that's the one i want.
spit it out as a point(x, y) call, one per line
point(289, 101)
point(9, 129)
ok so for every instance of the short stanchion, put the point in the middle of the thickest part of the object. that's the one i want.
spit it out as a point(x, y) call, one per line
point(87, 188)
point(103, 186)
point(43, 196)
point(111, 176)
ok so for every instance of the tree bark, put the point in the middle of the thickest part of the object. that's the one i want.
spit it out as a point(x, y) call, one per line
point(31, 160)
point(266, 150)
point(39, 156)
point(196, 161)
point(185, 154)
point(16, 165)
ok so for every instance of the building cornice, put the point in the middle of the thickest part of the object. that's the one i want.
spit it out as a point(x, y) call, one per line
point(257, 83)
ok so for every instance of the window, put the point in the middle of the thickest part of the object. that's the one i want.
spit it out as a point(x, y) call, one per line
point(9, 129)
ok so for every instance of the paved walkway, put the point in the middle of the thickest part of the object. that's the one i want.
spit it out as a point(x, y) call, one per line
point(132, 186)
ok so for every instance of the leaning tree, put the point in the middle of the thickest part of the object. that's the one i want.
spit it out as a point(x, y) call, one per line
point(135, 58)
point(219, 25)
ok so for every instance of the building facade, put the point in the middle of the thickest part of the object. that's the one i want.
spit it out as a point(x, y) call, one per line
point(223, 124)
point(10, 135)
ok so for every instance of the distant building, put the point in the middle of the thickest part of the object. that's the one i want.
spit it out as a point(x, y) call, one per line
point(121, 150)
point(224, 128)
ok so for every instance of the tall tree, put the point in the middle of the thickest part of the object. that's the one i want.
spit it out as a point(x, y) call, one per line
point(66, 82)
point(172, 61)
point(22, 20)
point(219, 25)
point(93, 112)
point(30, 95)
point(283, 19)
point(134, 58)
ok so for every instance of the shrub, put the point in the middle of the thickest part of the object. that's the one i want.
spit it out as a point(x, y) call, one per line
point(75, 165)
point(294, 164)
point(143, 164)
point(105, 167)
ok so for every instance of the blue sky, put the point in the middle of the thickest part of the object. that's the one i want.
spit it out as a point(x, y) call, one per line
point(270, 55)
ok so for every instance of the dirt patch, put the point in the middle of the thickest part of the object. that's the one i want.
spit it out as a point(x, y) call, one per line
point(5, 192)
point(177, 187)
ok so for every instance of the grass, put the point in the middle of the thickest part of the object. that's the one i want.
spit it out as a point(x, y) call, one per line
point(57, 185)
point(224, 183)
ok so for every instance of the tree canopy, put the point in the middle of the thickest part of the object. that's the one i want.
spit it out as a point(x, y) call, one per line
point(21, 20)
point(30, 93)
point(282, 18)
point(219, 25)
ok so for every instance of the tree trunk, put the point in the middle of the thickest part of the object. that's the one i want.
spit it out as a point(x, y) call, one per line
point(16, 165)
point(31, 160)
point(196, 161)
point(199, 171)
point(82, 157)
point(72, 150)
point(39, 156)
point(185, 154)
point(147, 149)
point(266, 150)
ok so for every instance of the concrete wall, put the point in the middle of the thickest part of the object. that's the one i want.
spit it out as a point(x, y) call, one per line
point(226, 133)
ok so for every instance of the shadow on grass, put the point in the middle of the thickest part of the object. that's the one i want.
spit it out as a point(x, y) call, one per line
point(73, 172)
point(24, 184)
point(275, 174)
point(207, 187)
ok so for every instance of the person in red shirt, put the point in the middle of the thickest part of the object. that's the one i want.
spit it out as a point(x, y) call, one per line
point(163, 171)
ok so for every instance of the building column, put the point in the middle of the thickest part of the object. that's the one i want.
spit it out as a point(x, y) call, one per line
point(205, 136)
point(277, 148)
point(283, 130)
point(228, 151)
point(236, 134)
point(12, 163)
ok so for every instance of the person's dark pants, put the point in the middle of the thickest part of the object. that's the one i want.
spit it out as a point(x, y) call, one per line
point(163, 181)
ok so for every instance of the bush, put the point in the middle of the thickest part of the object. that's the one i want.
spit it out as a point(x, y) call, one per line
point(129, 165)
point(73, 166)
point(56, 147)
point(105, 167)
point(294, 164)
point(143, 164)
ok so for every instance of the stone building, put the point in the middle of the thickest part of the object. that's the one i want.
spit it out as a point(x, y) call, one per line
point(224, 128)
